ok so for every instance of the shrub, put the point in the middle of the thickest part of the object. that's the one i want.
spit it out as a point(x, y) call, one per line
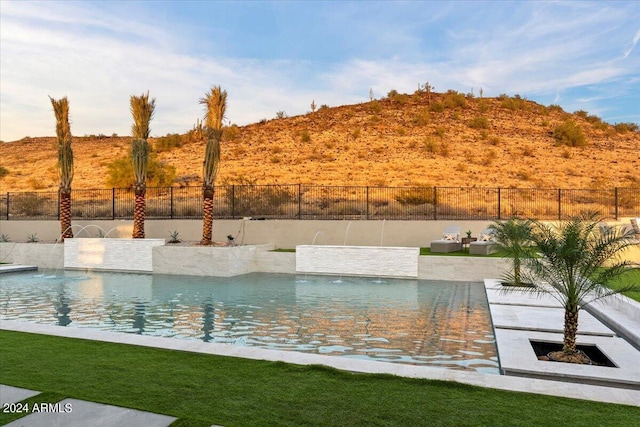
point(282, 114)
point(415, 196)
point(159, 174)
point(3, 171)
point(569, 134)
point(430, 146)
point(27, 204)
point(581, 113)
point(230, 133)
point(375, 107)
point(168, 142)
point(515, 103)
point(454, 99)
point(626, 127)
point(304, 135)
point(555, 107)
point(422, 118)
point(437, 107)
point(439, 132)
point(479, 122)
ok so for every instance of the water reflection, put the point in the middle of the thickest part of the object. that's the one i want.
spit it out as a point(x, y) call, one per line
point(61, 305)
point(404, 321)
point(208, 320)
point(139, 317)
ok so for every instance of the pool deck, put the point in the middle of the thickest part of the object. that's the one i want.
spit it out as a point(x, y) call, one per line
point(15, 268)
point(517, 318)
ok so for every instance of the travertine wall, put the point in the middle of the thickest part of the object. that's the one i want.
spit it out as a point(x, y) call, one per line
point(110, 254)
point(358, 260)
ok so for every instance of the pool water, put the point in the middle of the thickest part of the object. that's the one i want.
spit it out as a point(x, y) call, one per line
point(445, 324)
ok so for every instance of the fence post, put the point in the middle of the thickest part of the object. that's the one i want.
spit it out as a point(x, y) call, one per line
point(435, 203)
point(499, 207)
point(58, 208)
point(299, 201)
point(233, 200)
point(171, 206)
point(113, 204)
point(8, 205)
point(559, 204)
point(615, 201)
point(367, 209)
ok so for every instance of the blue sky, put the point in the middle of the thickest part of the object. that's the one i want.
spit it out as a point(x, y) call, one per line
point(279, 56)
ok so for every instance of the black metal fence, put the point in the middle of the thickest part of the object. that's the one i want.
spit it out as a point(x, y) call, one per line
point(331, 202)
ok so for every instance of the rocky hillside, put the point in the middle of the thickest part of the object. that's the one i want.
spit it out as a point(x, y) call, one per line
point(443, 139)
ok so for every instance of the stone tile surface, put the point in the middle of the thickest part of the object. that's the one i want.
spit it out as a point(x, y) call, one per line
point(546, 319)
point(10, 394)
point(78, 413)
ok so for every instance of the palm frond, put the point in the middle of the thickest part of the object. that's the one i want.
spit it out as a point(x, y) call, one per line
point(63, 134)
point(142, 111)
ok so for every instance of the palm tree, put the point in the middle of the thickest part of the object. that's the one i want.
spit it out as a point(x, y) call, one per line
point(215, 106)
point(142, 112)
point(579, 262)
point(513, 240)
point(65, 164)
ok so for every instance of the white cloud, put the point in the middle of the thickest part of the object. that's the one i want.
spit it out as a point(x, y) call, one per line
point(98, 56)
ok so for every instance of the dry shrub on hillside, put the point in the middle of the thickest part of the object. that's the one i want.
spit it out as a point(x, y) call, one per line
point(569, 134)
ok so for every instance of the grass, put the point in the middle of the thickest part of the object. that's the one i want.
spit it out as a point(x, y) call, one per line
point(631, 276)
point(427, 251)
point(204, 389)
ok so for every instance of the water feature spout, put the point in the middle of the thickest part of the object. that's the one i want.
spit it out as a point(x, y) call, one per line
point(347, 233)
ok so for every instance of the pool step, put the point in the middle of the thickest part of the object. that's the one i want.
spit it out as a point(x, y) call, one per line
point(13, 268)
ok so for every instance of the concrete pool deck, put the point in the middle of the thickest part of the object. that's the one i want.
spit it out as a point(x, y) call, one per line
point(504, 382)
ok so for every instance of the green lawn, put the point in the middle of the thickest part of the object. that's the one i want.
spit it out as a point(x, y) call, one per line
point(630, 277)
point(204, 389)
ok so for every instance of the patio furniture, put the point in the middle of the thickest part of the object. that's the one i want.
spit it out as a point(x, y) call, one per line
point(485, 245)
point(450, 241)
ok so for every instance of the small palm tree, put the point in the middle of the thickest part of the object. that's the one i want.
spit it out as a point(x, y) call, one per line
point(513, 240)
point(215, 106)
point(579, 262)
point(142, 111)
point(65, 164)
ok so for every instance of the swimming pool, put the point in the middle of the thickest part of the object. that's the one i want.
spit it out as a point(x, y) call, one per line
point(445, 324)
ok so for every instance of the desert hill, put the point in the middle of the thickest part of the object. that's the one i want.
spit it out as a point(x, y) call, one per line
point(442, 139)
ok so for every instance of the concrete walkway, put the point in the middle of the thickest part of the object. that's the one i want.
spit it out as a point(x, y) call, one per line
point(75, 413)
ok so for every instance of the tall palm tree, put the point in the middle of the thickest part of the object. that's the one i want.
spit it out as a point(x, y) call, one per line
point(513, 240)
point(65, 164)
point(142, 111)
point(578, 261)
point(215, 106)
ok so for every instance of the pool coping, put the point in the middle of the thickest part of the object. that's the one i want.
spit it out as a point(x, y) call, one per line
point(503, 382)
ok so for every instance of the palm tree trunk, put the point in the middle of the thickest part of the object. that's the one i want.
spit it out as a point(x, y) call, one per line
point(570, 330)
point(65, 215)
point(207, 215)
point(139, 212)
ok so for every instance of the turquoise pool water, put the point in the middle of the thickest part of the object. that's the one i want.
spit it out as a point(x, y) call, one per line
point(444, 324)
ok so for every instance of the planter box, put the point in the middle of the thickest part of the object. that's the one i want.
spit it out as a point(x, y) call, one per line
point(110, 254)
point(225, 261)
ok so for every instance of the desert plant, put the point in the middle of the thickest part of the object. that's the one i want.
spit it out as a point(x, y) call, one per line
point(281, 115)
point(65, 163)
point(173, 237)
point(513, 238)
point(168, 142)
point(313, 106)
point(569, 134)
point(32, 238)
point(436, 107)
point(3, 171)
point(479, 122)
point(215, 107)
point(579, 261)
point(142, 111)
point(159, 174)
point(626, 127)
point(4, 238)
point(415, 196)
